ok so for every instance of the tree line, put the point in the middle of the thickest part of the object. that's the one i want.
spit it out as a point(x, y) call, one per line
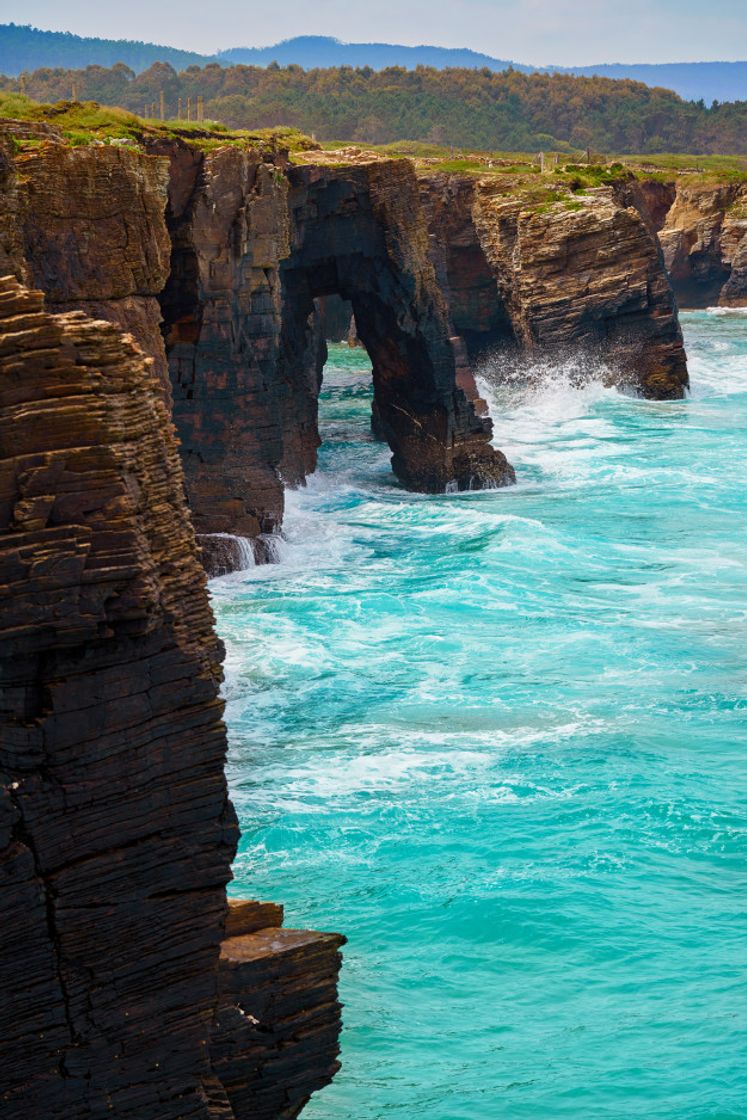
point(476, 109)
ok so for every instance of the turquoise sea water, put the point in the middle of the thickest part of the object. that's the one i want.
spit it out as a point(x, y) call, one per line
point(500, 740)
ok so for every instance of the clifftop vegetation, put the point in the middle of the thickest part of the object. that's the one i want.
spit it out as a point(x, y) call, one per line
point(87, 122)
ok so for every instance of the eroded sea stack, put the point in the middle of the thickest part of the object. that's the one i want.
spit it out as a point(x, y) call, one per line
point(549, 278)
point(123, 992)
point(216, 258)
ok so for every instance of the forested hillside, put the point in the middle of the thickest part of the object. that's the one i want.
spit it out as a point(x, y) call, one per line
point(466, 108)
point(28, 48)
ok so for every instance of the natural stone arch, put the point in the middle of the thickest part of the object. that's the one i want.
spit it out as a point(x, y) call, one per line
point(359, 233)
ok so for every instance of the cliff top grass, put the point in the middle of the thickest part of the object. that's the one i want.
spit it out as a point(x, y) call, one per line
point(87, 122)
point(576, 169)
point(717, 167)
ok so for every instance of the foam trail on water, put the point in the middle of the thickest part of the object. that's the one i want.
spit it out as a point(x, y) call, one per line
point(274, 546)
point(715, 358)
point(498, 739)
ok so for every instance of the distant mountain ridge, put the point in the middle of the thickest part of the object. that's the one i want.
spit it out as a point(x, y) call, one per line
point(322, 52)
point(693, 81)
point(28, 48)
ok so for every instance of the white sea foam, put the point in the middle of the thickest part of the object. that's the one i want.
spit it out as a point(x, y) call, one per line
point(247, 558)
point(240, 547)
point(547, 415)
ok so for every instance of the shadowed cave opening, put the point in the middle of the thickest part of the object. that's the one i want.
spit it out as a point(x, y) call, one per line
point(410, 406)
point(477, 309)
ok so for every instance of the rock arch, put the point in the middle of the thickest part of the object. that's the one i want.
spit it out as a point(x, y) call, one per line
point(359, 233)
point(255, 243)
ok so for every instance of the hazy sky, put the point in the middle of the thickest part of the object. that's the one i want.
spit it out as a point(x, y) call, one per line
point(564, 32)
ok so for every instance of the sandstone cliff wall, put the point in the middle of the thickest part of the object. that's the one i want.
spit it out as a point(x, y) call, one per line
point(704, 238)
point(702, 228)
point(254, 244)
point(117, 830)
point(217, 260)
point(222, 307)
point(116, 833)
point(86, 226)
point(547, 278)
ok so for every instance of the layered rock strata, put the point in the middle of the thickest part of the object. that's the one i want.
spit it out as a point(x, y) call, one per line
point(224, 262)
point(577, 273)
point(704, 238)
point(116, 833)
point(255, 243)
point(702, 228)
point(222, 309)
point(275, 1039)
point(88, 230)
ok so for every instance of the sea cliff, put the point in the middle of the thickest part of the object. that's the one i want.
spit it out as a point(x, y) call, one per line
point(218, 256)
point(161, 356)
point(702, 227)
point(116, 832)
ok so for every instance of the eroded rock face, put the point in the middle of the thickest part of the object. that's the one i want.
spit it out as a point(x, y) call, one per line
point(275, 1039)
point(116, 832)
point(237, 252)
point(120, 979)
point(222, 306)
point(581, 274)
point(255, 243)
point(704, 238)
point(89, 231)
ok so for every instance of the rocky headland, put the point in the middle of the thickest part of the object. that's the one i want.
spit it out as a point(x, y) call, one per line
point(222, 257)
point(544, 278)
point(163, 318)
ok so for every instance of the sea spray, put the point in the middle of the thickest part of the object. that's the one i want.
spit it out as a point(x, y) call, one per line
point(225, 552)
